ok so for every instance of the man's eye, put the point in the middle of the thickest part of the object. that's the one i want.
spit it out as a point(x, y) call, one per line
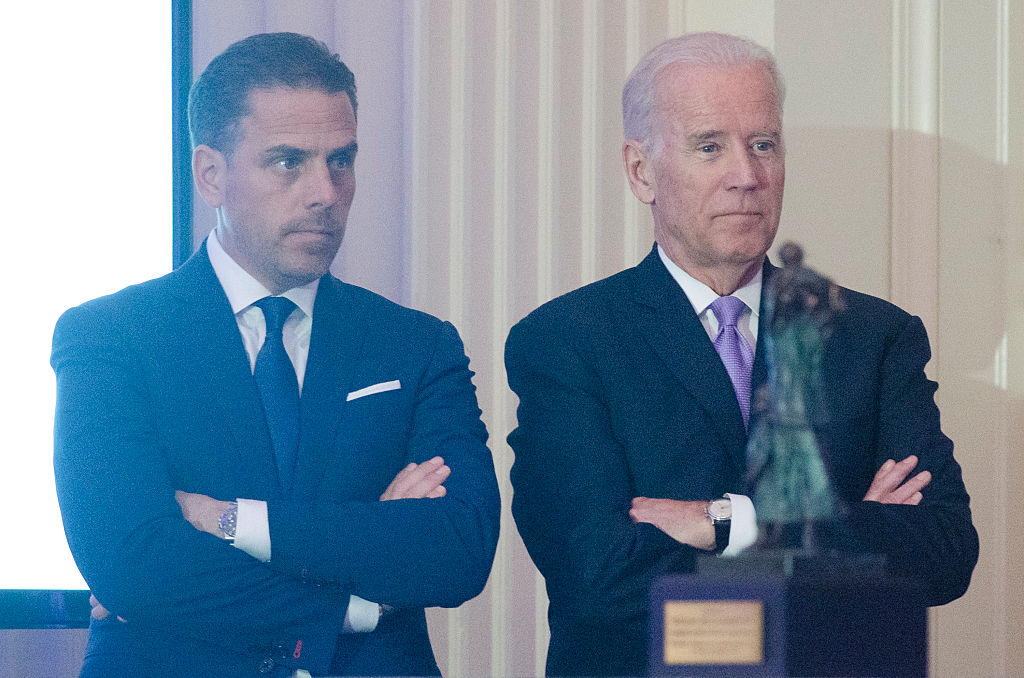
point(287, 163)
point(708, 148)
point(764, 146)
point(341, 162)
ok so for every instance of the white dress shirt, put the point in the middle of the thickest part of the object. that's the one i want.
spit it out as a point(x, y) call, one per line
point(743, 529)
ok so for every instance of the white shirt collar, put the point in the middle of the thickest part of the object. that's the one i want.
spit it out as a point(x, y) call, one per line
point(242, 289)
point(701, 296)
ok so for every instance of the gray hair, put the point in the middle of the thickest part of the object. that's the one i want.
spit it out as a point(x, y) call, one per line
point(699, 49)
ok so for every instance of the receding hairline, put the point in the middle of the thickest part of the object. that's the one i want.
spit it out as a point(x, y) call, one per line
point(709, 49)
point(765, 70)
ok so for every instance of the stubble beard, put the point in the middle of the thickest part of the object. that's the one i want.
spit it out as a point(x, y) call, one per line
point(318, 256)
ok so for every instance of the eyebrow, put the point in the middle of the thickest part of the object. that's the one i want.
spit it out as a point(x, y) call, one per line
point(711, 135)
point(285, 150)
point(700, 137)
point(707, 135)
point(347, 152)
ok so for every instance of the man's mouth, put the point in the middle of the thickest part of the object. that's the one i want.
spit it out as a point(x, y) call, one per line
point(740, 213)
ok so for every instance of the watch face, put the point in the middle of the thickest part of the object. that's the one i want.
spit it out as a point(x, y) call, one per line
point(720, 509)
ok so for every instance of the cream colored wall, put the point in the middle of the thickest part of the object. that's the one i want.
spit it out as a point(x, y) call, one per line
point(490, 181)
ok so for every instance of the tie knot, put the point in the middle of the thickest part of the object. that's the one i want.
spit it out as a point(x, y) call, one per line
point(727, 310)
point(275, 310)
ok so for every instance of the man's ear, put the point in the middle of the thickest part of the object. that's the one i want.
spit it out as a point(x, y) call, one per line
point(209, 170)
point(639, 171)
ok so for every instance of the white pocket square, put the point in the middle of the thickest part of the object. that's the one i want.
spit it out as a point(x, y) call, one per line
point(376, 388)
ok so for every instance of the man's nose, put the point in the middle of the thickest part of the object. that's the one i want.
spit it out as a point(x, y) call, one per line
point(322, 189)
point(744, 171)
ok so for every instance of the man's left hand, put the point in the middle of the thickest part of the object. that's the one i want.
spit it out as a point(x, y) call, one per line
point(888, 486)
point(684, 521)
point(202, 511)
point(419, 481)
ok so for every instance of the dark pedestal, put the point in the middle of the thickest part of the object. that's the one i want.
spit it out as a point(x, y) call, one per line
point(785, 617)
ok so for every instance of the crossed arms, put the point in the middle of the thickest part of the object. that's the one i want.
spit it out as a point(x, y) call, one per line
point(127, 438)
point(600, 411)
point(415, 481)
point(686, 522)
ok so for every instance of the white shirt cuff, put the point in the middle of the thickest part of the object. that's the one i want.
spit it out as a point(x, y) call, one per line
point(361, 616)
point(252, 530)
point(743, 528)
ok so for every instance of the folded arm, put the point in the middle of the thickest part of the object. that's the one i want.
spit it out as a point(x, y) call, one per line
point(687, 522)
point(126, 531)
point(415, 481)
point(916, 510)
point(574, 486)
point(408, 552)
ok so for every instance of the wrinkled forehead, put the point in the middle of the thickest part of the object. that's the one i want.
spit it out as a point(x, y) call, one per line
point(693, 94)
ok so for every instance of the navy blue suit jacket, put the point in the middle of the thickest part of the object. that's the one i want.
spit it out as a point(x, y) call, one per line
point(623, 395)
point(155, 394)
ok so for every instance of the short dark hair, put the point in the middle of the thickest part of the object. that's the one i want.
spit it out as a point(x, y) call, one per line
point(220, 97)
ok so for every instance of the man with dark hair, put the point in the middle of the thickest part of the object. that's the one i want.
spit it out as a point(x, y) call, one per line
point(263, 470)
point(635, 390)
point(220, 97)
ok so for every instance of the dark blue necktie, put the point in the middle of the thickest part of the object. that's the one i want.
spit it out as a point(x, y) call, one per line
point(279, 388)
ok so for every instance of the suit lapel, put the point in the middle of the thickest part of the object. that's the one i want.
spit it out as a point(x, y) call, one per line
point(217, 372)
point(339, 330)
point(669, 324)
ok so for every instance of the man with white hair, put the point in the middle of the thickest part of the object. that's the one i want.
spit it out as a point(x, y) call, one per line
point(635, 390)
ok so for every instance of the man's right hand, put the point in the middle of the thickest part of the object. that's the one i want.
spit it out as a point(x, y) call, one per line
point(684, 521)
point(99, 612)
point(419, 481)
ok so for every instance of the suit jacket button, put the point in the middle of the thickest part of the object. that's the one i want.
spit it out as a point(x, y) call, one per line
point(267, 666)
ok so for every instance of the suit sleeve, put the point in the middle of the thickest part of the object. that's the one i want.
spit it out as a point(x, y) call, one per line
point(125, 529)
point(409, 552)
point(934, 543)
point(573, 487)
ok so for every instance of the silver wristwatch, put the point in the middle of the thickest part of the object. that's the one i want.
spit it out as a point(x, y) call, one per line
point(229, 521)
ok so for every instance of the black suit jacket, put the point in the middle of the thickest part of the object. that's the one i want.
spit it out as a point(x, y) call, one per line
point(623, 395)
point(155, 394)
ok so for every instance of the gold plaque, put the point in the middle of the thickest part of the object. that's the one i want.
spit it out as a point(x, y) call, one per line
point(711, 632)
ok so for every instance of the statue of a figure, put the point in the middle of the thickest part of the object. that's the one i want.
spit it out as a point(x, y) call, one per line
point(785, 469)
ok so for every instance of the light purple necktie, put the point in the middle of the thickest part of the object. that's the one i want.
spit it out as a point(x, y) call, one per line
point(736, 354)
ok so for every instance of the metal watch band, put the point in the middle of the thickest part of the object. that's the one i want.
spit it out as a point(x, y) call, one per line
point(229, 521)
